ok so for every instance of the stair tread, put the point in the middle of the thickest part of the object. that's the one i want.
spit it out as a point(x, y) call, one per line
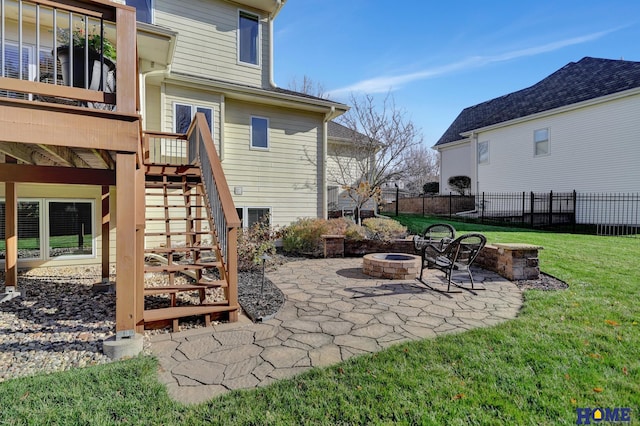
point(173, 268)
point(151, 315)
point(160, 234)
point(169, 219)
point(178, 249)
point(173, 206)
point(185, 287)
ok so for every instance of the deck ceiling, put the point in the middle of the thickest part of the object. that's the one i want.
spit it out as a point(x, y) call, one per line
point(58, 156)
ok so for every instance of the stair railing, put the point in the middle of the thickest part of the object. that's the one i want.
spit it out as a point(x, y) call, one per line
point(202, 150)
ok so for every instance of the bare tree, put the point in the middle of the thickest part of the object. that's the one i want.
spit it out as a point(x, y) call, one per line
point(381, 138)
point(421, 167)
point(309, 87)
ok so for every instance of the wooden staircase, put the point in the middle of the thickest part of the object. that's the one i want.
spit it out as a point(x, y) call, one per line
point(181, 240)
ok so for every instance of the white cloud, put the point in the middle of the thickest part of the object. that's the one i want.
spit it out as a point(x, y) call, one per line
point(385, 83)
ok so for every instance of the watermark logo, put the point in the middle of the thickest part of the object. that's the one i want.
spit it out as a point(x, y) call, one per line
point(587, 416)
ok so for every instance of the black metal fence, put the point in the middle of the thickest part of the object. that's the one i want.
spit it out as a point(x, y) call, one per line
point(596, 213)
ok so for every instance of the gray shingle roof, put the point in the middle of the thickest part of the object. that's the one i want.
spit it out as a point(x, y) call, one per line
point(579, 81)
point(338, 131)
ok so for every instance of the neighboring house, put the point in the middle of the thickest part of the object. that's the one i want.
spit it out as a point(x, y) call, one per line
point(218, 59)
point(575, 130)
point(345, 162)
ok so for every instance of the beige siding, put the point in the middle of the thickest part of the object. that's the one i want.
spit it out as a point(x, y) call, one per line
point(284, 178)
point(207, 40)
point(456, 161)
point(592, 149)
point(152, 108)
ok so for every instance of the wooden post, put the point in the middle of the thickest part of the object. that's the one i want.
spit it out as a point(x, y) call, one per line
point(125, 245)
point(232, 271)
point(127, 61)
point(11, 235)
point(139, 262)
point(106, 224)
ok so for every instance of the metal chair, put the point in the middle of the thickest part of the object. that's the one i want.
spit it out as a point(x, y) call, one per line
point(457, 255)
point(438, 233)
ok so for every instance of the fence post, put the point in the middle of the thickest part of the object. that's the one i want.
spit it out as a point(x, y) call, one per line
point(482, 208)
point(523, 207)
point(397, 199)
point(531, 207)
point(551, 208)
point(573, 215)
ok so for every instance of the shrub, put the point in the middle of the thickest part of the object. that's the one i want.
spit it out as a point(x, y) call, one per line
point(384, 229)
point(431, 187)
point(253, 242)
point(460, 184)
point(304, 236)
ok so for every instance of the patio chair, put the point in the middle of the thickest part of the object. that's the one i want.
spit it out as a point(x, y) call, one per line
point(457, 255)
point(437, 234)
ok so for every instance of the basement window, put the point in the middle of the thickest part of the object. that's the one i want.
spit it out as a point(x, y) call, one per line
point(249, 216)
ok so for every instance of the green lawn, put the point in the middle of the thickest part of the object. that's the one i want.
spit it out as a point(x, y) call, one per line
point(574, 348)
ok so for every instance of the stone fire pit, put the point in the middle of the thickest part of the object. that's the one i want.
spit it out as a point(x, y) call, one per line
point(395, 266)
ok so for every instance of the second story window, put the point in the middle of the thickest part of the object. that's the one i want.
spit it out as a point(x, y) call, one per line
point(248, 38)
point(541, 142)
point(144, 10)
point(259, 133)
point(483, 152)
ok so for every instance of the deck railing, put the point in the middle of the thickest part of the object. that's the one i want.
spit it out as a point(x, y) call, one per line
point(63, 52)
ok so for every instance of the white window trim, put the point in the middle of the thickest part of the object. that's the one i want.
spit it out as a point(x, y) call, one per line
point(245, 214)
point(548, 140)
point(259, 52)
point(45, 228)
point(488, 160)
point(259, 148)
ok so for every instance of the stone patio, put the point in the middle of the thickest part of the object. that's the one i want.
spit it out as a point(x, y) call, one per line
point(332, 312)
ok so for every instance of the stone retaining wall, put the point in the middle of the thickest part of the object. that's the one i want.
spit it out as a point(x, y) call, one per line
point(513, 261)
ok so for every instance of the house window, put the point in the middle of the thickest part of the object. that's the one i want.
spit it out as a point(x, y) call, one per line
point(541, 142)
point(248, 38)
point(68, 229)
point(29, 237)
point(183, 115)
point(144, 10)
point(259, 133)
point(249, 216)
point(16, 66)
point(483, 152)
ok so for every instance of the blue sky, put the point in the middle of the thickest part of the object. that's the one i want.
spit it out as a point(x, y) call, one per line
point(439, 57)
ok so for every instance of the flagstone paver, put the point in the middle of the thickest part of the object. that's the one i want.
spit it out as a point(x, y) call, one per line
point(332, 312)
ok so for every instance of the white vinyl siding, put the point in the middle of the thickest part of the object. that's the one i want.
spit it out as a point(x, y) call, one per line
point(456, 161)
point(207, 45)
point(285, 177)
point(595, 149)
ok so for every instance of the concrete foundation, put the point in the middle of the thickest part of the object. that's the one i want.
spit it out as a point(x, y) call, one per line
point(123, 348)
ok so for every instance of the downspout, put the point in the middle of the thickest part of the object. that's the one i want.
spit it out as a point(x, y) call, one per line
point(143, 91)
point(325, 143)
point(271, 18)
point(474, 145)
